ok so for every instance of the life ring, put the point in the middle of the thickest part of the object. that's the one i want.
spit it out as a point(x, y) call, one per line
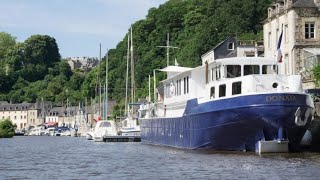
point(298, 120)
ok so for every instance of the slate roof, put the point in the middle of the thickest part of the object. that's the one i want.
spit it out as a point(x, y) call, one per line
point(304, 4)
point(12, 107)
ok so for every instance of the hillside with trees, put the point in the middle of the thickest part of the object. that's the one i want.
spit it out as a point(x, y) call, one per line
point(33, 70)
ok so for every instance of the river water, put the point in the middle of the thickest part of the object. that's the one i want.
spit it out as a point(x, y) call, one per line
point(33, 157)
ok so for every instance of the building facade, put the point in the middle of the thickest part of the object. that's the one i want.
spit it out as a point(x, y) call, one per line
point(300, 23)
point(84, 63)
point(17, 113)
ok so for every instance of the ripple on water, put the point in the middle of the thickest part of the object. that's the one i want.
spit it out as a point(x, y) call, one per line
point(78, 158)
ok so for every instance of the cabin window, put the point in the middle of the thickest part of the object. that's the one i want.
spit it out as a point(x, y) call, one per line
point(105, 124)
point(180, 87)
point(207, 72)
point(212, 93)
point(187, 84)
point(172, 89)
point(167, 91)
point(267, 69)
point(178, 93)
point(236, 88)
point(177, 88)
point(230, 46)
point(251, 69)
point(222, 90)
point(184, 86)
point(218, 73)
point(233, 71)
point(213, 74)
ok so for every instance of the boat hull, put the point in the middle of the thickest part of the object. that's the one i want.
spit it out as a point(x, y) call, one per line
point(237, 123)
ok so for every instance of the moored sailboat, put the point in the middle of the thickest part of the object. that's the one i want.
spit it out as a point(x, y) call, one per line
point(103, 127)
point(129, 125)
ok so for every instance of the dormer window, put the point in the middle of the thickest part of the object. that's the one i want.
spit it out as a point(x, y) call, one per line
point(230, 45)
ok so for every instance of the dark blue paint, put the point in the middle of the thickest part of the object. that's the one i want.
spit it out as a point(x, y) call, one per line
point(236, 123)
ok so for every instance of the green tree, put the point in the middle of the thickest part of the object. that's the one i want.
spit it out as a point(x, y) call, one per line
point(7, 41)
point(42, 49)
point(6, 129)
point(41, 52)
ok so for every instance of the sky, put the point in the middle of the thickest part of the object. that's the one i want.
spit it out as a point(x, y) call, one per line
point(78, 26)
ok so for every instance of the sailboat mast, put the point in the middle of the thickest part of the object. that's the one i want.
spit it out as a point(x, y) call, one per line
point(99, 81)
point(106, 92)
point(168, 47)
point(127, 75)
point(132, 70)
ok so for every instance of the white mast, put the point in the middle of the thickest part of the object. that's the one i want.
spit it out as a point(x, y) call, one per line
point(168, 47)
point(127, 75)
point(149, 98)
point(132, 70)
point(106, 92)
point(99, 82)
point(154, 86)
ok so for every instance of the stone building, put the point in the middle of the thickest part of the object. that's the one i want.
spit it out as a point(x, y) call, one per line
point(17, 113)
point(34, 117)
point(300, 23)
point(84, 63)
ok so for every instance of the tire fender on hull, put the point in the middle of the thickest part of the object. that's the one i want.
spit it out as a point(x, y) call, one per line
point(298, 116)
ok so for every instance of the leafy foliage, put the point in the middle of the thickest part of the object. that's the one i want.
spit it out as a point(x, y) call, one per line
point(6, 129)
point(316, 74)
point(34, 69)
point(6, 42)
point(195, 26)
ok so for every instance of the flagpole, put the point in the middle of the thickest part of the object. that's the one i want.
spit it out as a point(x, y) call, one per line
point(278, 54)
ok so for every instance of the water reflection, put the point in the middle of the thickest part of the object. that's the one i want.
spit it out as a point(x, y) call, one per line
point(77, 158)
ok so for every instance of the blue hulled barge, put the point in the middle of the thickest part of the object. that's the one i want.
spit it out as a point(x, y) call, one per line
point(227, 104)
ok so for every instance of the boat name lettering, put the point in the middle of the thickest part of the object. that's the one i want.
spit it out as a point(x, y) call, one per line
point(281, 98)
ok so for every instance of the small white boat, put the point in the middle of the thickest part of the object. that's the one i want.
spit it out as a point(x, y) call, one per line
point(130, 127)
point(51, 131)
point(104, 129)
point(66, 133)
point(90, 134)
point(38, 131)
